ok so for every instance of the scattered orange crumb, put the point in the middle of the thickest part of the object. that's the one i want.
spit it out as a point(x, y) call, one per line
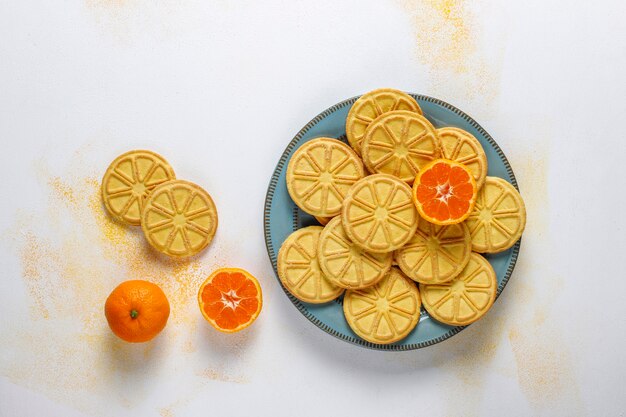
point(447, 42)
point(166, 412)
point(220, 376)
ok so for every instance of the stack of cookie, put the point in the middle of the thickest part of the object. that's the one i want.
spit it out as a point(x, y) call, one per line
point(407, 209)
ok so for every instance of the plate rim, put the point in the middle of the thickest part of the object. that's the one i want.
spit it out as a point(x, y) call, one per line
point(269, 196)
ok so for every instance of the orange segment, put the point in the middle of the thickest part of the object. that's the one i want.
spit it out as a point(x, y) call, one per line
point(444, 192)
point(230, 299)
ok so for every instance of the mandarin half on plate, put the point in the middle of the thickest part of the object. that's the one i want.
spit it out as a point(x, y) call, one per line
point(444, 192)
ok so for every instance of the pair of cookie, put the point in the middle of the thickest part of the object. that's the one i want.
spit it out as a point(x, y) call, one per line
point(177, 217)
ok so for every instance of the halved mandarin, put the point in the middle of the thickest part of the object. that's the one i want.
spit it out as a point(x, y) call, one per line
point(444, 192)
point(128, 181)
point(230, 299)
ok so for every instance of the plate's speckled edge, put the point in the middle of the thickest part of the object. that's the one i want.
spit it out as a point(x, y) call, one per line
point(272, 253)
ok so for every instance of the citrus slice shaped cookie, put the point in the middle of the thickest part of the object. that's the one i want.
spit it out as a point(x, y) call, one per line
point(400, 143)
point(299, 269)
point(346, 264)
point(128, 181)
point(498, 218)
point(444, 192)
point(464, 299)
point(319, 175)
point(371, 105)
point(378, 213)
point(462, 147)
point(179, 218)
point(436, 253)
point(386, 312)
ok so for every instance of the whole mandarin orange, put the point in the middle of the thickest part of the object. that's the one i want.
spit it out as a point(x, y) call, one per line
point(137, 311)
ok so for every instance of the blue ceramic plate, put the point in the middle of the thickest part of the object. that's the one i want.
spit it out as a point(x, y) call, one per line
point(281, 217)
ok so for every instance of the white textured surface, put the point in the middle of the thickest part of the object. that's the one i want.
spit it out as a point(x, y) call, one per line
point(219, 88)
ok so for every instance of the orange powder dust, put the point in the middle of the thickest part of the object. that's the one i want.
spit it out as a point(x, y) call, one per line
point(63, 191)
point(32, 273)
point(127, 20)
point(469, 358)
point(166, 412)
point(220, 376)
point(544, 370)
point(447, 42)
point(545, 367)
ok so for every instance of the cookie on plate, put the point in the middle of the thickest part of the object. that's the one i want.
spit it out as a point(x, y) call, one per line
point(461, 146)
point(498, 218)
point(464, 299)
point(386, 312)
point(299, 270)
point(378, 213)
point(371, 105)
point(319, 175)
point(346, 264)
point(436, 253)
point(400, 143)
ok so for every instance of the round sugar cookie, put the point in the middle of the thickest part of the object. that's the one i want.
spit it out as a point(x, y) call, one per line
point(129, 179)
point(436, 253)
point(346, 264)
point(462, 147)
point(464, 299)
point(371, 105)
point(179, 218)
point(400, 143)
point(319, 175)
point(386, 312)
point(299, 270)
point(498, 218)
point(378, 213)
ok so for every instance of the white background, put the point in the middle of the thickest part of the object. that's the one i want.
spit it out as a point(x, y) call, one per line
point(219, 88)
